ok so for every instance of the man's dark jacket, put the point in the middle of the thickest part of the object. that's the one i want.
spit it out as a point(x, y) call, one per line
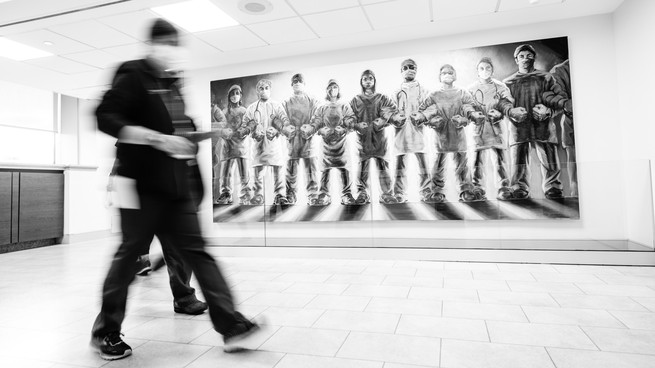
point(137, 98)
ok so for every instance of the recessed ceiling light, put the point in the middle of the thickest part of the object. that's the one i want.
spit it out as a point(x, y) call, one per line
point(48, 43)
point(255, 7)
point(17, 51)
point(196, 15)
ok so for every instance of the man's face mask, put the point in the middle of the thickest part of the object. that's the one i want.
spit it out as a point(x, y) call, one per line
point(485, 71)
point(235, 97)
point(368, 81)
point(298, 86)
point(170, 57)
point(525, 60)
point(409, 72)
point(447, 76)
point(264, 92)
point(333, 90)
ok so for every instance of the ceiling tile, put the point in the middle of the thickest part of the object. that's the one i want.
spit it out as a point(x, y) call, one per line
point(521, 4)
point(93, 33)
point(199, 50)
point(340, 22)
point(367, 2)
point(280, 11)
point(60, 44)
point(398, 13)
point(99, 59)
point(232, 38)
point(134, 24)
point(318, 6)
point(128, 52)
point(448, 9)
point(61, 65)
point(283, 31)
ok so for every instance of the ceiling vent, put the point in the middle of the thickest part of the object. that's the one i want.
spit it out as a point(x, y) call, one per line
point(255, 7)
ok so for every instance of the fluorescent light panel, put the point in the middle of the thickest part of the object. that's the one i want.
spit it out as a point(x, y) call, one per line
point(196, 15)
point(18, 51)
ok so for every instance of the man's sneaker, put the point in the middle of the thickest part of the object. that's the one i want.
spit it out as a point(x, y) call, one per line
point(387, 199)
point(111, 347)
point(224, 198)
point(258, 199)
point(143, 265)
point(554, 193)
point(347, 199)
point(362, 198)
point(189, 305)
point(520, 194)
point(400, 198)
point(280, 200)
point(240, 336)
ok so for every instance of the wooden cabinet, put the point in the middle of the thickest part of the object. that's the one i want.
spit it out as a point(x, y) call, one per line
point(31, 205)
point(5, 207)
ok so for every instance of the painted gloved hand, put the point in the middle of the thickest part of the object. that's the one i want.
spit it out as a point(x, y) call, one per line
point(477, 117)
point(271, 133)
point(289, 131)
point(227, 133)
point(361, 126)
point(258, 134)
point(541, 112)
point(324, 132)
point(436, 123)
point(494, 116)
point(568, 108)
point(417, 118)
point(306, 131)
point(242, 132)
point(518, 114)
point(459, 121)
point(398, 120)
point(340, 131)
point(379, 124)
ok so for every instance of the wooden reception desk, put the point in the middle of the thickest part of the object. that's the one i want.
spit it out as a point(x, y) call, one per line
point(31, 206)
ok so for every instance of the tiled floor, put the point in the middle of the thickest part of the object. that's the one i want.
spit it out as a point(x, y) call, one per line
point(336, 313)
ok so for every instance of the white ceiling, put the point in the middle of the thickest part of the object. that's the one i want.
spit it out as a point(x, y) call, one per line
point(90, 37)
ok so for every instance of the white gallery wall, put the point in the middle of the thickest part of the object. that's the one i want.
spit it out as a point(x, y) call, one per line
point(634, 28)
point(607, 204)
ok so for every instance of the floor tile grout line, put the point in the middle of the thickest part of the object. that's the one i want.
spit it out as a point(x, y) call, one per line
point(589, 337)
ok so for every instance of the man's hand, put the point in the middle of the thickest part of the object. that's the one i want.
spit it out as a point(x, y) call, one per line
point(289, 131)
point(494, 116)
point(271, 133)
point(306, 131)
point(541, 112)
point(518, 114)
point(173, 145)
point(477, 117)
point(459, 121)
point(436, 123)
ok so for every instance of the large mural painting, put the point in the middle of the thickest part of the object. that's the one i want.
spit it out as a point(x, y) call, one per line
point(474, 134)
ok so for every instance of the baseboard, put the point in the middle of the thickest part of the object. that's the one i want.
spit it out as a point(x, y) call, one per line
point(585, 257)
point(92, 235)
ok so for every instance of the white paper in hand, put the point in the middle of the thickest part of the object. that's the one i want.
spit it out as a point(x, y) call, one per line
point(126, 194)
